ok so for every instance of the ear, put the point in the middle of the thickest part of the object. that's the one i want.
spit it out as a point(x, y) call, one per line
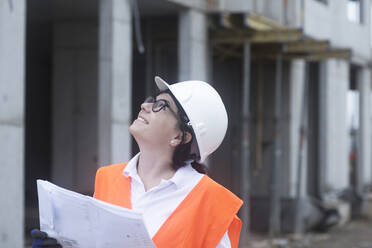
point(188, 137)
point(177, 140)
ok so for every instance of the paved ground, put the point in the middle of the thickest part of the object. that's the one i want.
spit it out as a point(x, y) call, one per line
point(355, 234)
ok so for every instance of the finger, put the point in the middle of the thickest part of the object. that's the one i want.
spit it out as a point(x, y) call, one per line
point(49, 242)
point(36, 243)
point(36, 233)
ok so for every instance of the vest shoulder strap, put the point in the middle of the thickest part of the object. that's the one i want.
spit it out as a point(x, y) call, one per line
point(112, 186)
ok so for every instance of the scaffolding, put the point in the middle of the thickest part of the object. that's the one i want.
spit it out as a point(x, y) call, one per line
point(251, 36)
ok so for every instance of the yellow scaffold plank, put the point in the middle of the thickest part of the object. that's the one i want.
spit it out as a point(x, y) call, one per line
point(306, 46)
point(262, 23)
point(269, 36)
point(335, 53)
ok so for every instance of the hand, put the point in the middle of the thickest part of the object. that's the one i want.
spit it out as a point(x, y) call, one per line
point(41, 240)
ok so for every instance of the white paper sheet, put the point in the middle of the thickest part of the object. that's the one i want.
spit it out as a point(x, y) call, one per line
point(79, 221)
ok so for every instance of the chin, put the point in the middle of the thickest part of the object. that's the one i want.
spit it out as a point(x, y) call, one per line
point(136, 131)
point(133, 129)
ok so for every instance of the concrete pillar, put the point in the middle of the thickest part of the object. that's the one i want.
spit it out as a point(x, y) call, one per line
point(333, 143)
point(364, 156)
point(296, 87)
point(193, 55)
point(115, 86)
point(12, 118)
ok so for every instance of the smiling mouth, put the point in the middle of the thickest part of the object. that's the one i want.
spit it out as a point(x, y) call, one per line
point(142, 120)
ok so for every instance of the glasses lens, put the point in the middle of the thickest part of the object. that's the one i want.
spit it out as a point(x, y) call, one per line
point(159, 105)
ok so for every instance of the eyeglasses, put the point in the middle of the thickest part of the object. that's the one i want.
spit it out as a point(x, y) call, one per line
point(160, 104)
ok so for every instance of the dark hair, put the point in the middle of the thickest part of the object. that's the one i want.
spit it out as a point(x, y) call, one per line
point(182, 153)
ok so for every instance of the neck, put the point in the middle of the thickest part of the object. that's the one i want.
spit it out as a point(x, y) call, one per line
point(153, 166)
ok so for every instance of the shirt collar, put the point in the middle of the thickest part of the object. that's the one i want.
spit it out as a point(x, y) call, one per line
point(180, 178)
point(131, 169)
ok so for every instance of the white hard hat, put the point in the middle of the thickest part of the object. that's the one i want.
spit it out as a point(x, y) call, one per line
point(205, 110)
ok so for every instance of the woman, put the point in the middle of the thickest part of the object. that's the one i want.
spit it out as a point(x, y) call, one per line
point(181, 206)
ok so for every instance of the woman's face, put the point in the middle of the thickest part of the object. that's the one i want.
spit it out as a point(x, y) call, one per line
point(156, 128)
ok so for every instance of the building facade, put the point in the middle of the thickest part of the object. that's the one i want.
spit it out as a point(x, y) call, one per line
point(73, 75)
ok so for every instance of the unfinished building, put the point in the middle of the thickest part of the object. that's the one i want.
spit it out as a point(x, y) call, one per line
point(74, 72)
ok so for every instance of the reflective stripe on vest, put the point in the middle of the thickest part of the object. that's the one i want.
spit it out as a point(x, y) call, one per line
point(200, 220)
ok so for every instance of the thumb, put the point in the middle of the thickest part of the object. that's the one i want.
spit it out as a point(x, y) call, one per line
point(36, 233)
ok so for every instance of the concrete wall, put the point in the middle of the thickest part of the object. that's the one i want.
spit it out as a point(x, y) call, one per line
point(289, 14)
point(333, 124)
point(330, 22)
point(75, 104)
point(364, 87)
point(270, 9)
point(12, 118)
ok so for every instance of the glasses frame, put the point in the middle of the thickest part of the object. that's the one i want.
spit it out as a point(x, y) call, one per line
point(164, 104)
point(181, 117)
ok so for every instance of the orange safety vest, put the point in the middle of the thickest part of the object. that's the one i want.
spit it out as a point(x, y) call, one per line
point(200, 220)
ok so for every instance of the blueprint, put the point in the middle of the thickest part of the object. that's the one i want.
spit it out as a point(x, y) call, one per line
point(80, 221)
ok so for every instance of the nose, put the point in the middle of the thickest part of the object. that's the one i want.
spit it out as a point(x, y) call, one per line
point(146, 106)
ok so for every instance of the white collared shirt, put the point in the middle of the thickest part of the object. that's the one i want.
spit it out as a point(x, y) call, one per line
point(159, 202)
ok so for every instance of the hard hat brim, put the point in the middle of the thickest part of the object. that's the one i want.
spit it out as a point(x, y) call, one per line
point(162, 85)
